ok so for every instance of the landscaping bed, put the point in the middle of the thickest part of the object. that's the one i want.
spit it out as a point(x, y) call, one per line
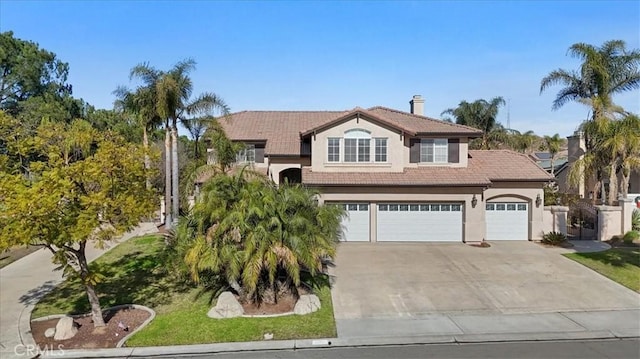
point(89, 337)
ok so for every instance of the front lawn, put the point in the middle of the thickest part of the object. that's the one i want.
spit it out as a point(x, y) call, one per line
point(619, 264)
point(134, 275)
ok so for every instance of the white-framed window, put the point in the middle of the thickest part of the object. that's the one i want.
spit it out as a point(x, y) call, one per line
point(356, 146)
point(333, 149)
point(247, 154)
point(381, 150)
point(434, 150)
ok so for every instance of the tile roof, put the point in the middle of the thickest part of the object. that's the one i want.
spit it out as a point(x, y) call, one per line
point(484, 167)
point(282, 129)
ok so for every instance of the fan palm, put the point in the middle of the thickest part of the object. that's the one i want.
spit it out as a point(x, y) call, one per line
point(482, 115)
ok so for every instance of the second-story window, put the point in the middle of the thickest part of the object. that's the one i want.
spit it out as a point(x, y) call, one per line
point(381, 150)
point(247, 154)
point(357, 146)
point(434, 150)
point(333, 150)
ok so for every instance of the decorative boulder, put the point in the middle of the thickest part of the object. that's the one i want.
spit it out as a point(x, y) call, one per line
point(227, 306)
point(49, 332)
point(307, 303)
point(65, 329)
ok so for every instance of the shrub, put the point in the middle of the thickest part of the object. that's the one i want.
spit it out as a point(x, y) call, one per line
point(631, 236)
point(554, 238)
point(635, 220)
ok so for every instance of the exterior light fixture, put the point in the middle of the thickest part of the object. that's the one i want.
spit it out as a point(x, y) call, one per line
point(474, 201)
point(538, 200)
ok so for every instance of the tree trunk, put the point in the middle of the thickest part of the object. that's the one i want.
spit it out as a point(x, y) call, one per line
point(174, 170)
point(613, 180)
point(167, 178)
point(552, 166)
point(236, 286)
point(626, 174)
point(94, 301)
point(147, 160)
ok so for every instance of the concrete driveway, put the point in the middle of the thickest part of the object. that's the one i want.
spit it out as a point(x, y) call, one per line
point(396, 280)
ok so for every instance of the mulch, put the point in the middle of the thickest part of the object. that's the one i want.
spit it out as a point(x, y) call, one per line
point(89, 337)
point(284, 305)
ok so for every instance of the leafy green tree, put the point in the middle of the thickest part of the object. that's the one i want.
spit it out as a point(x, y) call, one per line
point(90, 188)
point(28, 71)
point(257, 236)
point(553, 144)
point(481, 114)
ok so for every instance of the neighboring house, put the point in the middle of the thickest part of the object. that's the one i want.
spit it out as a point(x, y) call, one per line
point(585, 188)
point(400, 176)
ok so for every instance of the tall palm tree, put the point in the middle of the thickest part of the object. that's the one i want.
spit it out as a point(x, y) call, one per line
point(553, 145)
point(140, 104)
point(623, 143)
point(173, 103)
point(482, 115)
point(523, 141)
point(605, 71)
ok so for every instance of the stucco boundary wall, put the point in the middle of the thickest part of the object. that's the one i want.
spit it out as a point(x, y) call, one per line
point(554, 219)
point(615, 220)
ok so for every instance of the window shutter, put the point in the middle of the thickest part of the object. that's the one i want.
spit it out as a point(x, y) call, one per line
point(414, 150)
point(454, 150)
point(259, 154)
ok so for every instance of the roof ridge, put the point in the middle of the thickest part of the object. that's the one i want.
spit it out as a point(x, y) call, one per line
point(289, 111)
point(423, 117)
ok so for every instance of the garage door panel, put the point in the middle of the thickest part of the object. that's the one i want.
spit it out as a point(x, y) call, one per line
point(419, 222)
point(355, 225)
point(507, 221)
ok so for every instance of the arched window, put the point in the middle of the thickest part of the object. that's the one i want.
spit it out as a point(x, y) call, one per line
point(357, 146)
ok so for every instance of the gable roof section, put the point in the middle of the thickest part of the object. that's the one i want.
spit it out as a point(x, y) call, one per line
point(282, 130)
point(484, 168)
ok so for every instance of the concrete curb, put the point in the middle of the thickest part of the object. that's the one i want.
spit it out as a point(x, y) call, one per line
point(308, 344)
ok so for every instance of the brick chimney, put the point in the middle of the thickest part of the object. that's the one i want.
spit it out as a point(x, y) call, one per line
point(417, 105)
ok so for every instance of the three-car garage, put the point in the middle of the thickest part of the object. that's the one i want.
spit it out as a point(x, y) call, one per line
point(430, 221)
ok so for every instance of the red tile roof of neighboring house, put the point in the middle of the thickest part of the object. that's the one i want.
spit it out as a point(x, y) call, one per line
point(484, 167)
point(282, 130)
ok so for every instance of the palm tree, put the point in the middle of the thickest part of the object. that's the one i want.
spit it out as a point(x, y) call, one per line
point(523, 142)
point(141, 106)
point(623, 143)
point(553, 144)
point(605, 71)
point(258, 236)
point(482, 115)
point(173, 104)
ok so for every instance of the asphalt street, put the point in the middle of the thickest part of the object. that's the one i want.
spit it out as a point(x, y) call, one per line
point(596, 349)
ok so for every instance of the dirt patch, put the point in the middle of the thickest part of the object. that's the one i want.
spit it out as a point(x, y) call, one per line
point(619, 243)
point(480, 245)
point(89, 337)
point(284, 305)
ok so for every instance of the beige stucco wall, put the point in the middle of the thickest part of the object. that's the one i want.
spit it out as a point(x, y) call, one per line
point(609, 222)
point(278, 164)
point(397, 149)
point(554, 219)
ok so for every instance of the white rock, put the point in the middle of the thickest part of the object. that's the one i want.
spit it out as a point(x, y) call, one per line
point(307, 303)
point(65, 329)
point(268, 336)
point(227, 306)
point(49, 332)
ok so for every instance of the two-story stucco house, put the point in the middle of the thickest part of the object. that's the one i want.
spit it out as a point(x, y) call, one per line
point(401, 176)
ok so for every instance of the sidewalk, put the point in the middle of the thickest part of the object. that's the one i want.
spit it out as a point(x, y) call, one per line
point(25, 281)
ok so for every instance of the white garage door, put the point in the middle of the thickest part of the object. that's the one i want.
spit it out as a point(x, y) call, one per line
point(355, 226)
point(507, 221)
point(419, 222)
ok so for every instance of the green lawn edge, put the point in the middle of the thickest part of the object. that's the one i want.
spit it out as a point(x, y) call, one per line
point(621, 265)
point(134, 275)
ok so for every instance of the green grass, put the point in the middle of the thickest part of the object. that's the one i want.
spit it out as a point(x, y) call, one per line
point(134, 275)
point(619, 264)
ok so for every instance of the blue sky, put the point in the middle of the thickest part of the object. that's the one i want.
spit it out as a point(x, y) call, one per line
point(335, 55)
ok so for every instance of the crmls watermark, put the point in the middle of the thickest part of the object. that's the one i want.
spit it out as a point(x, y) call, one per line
point(34, 350)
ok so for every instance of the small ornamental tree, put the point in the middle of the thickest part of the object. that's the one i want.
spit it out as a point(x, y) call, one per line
point(90, 189)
